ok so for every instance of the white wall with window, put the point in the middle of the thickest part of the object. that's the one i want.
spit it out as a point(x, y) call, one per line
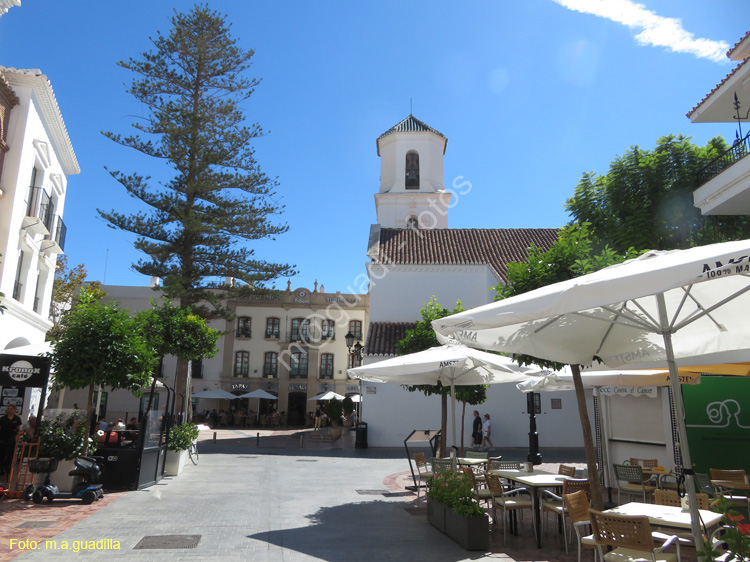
point(35, 163)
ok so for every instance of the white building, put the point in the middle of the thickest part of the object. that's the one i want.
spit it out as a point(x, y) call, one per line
point(290, 344)
point(36, 158)
point(415, 256)
point(725, 188)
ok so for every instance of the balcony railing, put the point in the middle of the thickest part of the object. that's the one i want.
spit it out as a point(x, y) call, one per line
point(17, 290)
point(737, 151)
point(243, 332)
point(298, 373)
point(270, 373)
point(60, 232)
point(242, 372)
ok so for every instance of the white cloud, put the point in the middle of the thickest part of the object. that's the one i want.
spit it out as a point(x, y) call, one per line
point(650, 28)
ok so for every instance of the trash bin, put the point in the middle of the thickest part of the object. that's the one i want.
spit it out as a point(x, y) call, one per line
point(361, 440)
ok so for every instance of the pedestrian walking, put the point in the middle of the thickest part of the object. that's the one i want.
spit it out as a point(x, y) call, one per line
point(486, 430)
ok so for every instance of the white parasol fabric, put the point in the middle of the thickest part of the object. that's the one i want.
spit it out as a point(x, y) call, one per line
point(662, 308)
point(329, 395)
point(259, 393)
point(563, 380)
point(219, 394)
point(450, 365)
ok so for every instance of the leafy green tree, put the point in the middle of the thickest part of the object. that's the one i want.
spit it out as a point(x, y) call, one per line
point(645, 200)
point(101, 345)
point(196, 231)
point(423, 337)
point(65, 289)
point(572, 255)
point(171, 330)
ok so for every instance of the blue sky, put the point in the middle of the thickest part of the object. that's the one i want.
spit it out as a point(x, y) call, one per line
point(530, 94)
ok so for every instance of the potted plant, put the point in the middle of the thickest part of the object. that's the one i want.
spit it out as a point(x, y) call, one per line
point(452, 508)
point(63, 438)
point(179, 440)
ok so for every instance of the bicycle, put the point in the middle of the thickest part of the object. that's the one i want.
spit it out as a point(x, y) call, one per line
point(193, 452)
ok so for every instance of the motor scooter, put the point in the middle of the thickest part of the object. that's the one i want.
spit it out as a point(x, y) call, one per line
point(86, 476)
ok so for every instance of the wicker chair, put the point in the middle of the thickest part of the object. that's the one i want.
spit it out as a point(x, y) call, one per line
point(567, 470)
point(632, 476)
point(507, 501)
point(481, 491)
point(476, 454)
point(733, 499)
point(423, 470)
point(505, 465)
point(441, 465)
point(552, 503)
point(577, 505)
point(630, 537)
point(670, 497)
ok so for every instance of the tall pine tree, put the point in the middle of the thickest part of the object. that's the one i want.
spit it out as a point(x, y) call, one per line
point(192, 85)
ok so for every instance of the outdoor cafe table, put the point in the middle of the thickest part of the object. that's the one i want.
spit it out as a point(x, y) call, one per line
point(666, 515)
point(534, 481)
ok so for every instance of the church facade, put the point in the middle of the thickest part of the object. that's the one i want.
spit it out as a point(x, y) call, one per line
point(413, 257)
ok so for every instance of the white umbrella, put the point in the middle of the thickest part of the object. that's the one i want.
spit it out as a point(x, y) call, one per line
point(450, 365)
point(219, 393)
point(563, 380)
point(330, 395)
point(681, 306)
point(356, 398)
point(260, 393)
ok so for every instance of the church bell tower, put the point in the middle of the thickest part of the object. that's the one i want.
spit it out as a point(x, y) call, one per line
point(412, 189)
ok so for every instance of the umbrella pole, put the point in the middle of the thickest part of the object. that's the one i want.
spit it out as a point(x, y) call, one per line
point(453, 411)
point(682, 446)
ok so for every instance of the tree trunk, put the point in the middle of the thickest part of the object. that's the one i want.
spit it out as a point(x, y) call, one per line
point(89, 423)
point(443, 424)
point(588, 441)
point(182, 390)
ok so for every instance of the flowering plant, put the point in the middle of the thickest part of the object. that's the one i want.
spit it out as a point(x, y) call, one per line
point(454, 490)
point(735, 533)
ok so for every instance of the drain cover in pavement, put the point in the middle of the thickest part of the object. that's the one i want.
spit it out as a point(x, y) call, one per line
point(168, 541)
point(371, 492)
point(36, 524)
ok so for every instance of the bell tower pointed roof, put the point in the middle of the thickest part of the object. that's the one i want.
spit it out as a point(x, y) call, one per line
point(411, 125)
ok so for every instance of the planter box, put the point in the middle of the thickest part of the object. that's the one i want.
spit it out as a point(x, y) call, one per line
point(175, 462)
point(472, 533)
point(436, 514)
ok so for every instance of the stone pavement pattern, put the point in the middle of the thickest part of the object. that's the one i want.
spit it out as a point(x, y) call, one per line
point(274, 503)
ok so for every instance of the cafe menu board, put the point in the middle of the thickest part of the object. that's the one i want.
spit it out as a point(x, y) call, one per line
point(11, 395)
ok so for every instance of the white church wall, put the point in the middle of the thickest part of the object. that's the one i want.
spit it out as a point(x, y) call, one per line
point(393, 412)
point(391, 288)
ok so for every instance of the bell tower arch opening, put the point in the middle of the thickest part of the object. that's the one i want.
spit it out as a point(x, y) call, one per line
point(411, 180)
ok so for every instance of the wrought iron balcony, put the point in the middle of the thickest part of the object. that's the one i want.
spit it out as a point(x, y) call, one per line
point(55, 242)
point(736, 152)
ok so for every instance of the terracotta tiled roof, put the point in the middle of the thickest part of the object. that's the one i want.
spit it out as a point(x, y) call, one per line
point(495, 247)
point(730, 52)
point(382, 337)
point(709, 94)
point(411, 124)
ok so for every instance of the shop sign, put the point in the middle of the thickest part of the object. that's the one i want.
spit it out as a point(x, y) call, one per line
point(23, 371)
point(649, 391)
point(297, 387)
